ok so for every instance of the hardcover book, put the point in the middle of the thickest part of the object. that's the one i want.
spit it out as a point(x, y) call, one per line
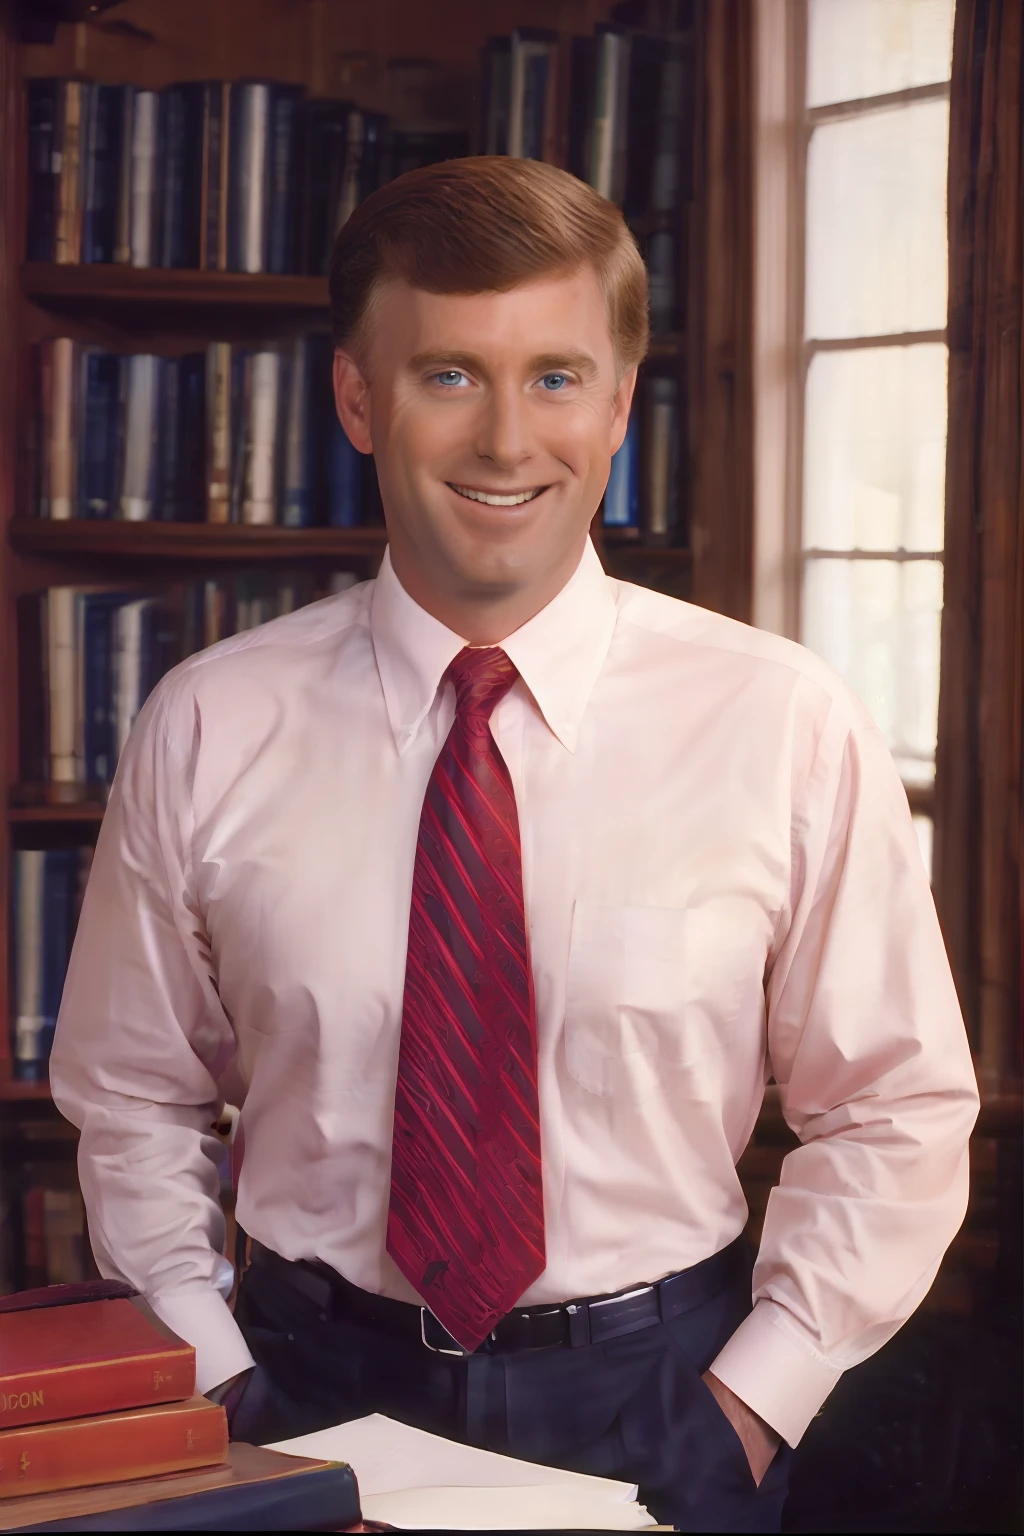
point(111, 1447)
point(94, 1357)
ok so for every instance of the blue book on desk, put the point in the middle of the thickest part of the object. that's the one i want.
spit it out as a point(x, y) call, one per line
point(255, 1490)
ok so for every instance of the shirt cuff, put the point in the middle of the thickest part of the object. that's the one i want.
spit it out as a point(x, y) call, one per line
point(203, 1319)
point(777, 1373)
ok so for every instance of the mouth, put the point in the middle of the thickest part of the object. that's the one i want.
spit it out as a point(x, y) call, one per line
point(496, 498)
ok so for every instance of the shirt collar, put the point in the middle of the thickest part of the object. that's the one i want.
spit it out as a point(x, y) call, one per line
point(558, 653)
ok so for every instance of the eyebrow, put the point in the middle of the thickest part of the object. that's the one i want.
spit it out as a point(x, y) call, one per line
point(546, 362)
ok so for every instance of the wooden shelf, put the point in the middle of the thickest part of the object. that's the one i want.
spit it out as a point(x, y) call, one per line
point(190, 541)
point(623, 547)
point(54, 805)
point(665, 348)
point(62, 285)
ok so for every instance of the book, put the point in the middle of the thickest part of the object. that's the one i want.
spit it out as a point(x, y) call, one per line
point(67, 244)
point(283, 180)
point(60, 1362)
point(61, 676)
point(582, 66)
point(144, 186)
point(495, 96)
point(213, 189)
point(607, 174)
point(661, 281)
point(43, 168)
point(622, 493)
point(259, 438)
point(249, 176)
point(139, 418)
point(99, 392)
point(532, 98)
point(251, 1490)
point(123, 211)
point(102, 166)
point(218, 432)
point(110, 1447)
point(28, 866)
point(179, 493)
point(344, 480)
point(60, 437)
point(180, 175)
point(661, 458)
point(297, 426)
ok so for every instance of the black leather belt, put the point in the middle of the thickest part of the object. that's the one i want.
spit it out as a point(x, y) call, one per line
point(591, 1320)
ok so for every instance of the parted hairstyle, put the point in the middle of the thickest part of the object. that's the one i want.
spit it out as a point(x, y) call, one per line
point(484, 224)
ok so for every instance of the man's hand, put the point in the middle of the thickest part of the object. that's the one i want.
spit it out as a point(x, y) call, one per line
point(758, 1439)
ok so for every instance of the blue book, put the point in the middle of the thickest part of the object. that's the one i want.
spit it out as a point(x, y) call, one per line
point(622, 493)
point(181, 151)
point(283, 178)
point(249, 165)
point(102, 167)
point(59, 886)
point(159, 646)
point(97, 684)
point(344, 480)
point(43, 169)
point(99, 422)
point(297, 487)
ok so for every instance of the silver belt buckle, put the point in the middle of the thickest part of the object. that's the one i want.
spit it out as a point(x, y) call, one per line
point(641, 1290)
point(437, 1349)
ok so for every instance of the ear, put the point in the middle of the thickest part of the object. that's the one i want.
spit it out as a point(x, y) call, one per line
point(621, 401)
point(352, 401)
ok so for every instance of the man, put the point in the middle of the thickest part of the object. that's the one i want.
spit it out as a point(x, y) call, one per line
point(495, 891)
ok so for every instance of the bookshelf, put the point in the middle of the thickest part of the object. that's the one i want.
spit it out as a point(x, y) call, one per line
point(393, 60)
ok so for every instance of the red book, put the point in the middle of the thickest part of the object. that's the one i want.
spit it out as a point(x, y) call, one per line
point(143, 1442)
point(62, 1361)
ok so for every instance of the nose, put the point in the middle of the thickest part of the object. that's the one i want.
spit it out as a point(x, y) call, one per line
point(502, 434)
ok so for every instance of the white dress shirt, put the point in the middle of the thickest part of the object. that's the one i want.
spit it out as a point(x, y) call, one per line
point(722, 883)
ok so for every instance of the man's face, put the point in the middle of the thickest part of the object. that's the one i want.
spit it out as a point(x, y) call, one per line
point(468, 398)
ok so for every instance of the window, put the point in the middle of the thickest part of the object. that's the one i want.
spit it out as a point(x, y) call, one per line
point(872, 467)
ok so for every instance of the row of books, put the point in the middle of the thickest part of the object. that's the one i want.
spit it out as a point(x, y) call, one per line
point(239, 176)
point(88, 657)
point(235, 434)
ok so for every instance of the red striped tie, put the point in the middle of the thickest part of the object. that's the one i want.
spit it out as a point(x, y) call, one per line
point(466, 1219)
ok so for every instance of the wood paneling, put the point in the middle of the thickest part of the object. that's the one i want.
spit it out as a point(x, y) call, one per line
point(977, 861)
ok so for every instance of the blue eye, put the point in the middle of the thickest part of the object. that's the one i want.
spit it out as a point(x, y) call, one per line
point(449, 377)
point(561, 380)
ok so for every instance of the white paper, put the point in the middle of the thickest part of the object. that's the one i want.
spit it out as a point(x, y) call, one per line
point(548, 1508)
point(410, 1477)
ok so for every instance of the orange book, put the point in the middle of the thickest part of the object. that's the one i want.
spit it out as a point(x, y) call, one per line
point(65, 1361)
point(110, 1448)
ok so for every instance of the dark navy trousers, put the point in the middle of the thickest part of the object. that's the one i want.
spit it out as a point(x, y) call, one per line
point(633, 1408)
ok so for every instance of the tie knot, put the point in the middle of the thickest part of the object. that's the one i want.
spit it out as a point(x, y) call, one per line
point(481, 677)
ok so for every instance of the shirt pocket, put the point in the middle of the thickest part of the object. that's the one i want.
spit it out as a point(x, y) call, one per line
point(650, 990)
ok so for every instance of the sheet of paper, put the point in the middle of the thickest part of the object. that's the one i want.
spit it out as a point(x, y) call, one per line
point(551, 1508)
point(389, 1457)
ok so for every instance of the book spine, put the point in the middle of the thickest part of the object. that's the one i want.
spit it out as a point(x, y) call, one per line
point(171, 179)
point(259, 502)
point(98, 397)
point(665, 182)
point(581, 106)
point(62, 433)
point(282, 180)
point(29, 865)
point(167, 489)
point(60, 667)
point(97, 668)
point(68, 241)
point(661, 281)
point(87, 166)
point(661, 457)
point(224, 183)
point(607, 166)
point(144, 181)
point(191, 506)
point(43, 162)
point(250, 171)
point(297, 494)
point(497, 88)
point(516, 97)
point(103, 156)
point(348, 200)
point(622, 494)
point(58, 891)
point(127, 679)
point(125, 175)
point(344, 481)
point(218, 437)
point(138, 465)
point(80, 1453)
point(33, 748)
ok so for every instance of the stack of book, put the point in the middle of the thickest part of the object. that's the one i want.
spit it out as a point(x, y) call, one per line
point(98, 1397)
point(235, 434)
point(238, 176)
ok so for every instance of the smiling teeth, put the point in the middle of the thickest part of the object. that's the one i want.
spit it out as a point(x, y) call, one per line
point(496, 501)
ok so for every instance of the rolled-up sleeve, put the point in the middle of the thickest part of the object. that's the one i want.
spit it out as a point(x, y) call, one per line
point(867, 1044)
point(142, 1044)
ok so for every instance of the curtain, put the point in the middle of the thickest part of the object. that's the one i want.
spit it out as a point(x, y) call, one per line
point(977, 858)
